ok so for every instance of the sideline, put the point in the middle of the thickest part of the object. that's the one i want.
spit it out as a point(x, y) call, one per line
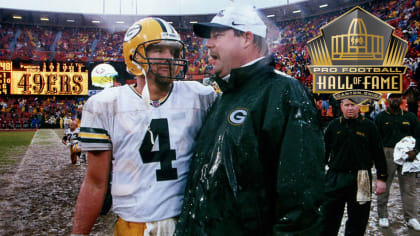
point(38, 138)
point(40, 196)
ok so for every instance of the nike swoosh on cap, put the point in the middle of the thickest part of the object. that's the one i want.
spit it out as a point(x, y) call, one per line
point(233, 23)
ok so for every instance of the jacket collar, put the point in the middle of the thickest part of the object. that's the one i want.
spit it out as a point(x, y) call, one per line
point(359, 119)
point(242, 75)
point(389, 112)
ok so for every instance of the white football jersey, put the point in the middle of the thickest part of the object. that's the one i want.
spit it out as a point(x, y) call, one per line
point(72, 136)
point(151, 145)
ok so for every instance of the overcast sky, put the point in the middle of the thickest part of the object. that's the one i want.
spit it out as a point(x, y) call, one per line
point(135, 7)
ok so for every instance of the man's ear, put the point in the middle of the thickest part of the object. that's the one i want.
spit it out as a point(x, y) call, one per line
point(249, 38)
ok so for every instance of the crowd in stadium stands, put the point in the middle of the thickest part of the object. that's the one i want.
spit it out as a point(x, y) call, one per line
point(109, 47)
point(196, 53)
point(75, 44)
point(31, 112)
point(41, 43)
point(79, 44)
point(32, 43)
point(292, 56)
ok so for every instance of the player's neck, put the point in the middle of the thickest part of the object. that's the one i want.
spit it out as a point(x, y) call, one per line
point(156, 90)
point(394, 110)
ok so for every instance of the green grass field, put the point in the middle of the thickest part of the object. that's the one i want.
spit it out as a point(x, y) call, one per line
point(13, 145)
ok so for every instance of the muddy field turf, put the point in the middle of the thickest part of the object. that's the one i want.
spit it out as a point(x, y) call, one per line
point(39, 187)
point(38, 193)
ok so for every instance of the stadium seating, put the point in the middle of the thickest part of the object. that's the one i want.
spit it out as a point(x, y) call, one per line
point(96, 45)
point(41, 43)
point(38, 112)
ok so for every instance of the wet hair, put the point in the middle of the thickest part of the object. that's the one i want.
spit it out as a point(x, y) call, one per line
point(172, 44)
point(259, 42)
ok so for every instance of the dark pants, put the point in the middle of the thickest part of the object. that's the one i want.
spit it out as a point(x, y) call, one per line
point(412, 107)
point(341, 189)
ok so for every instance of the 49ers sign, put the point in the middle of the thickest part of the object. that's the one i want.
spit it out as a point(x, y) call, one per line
point(43, 79)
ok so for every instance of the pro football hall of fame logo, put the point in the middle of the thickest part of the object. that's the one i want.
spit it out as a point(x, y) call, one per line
point(357, 56)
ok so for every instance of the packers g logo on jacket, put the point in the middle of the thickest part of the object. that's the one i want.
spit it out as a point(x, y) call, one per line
point(237, 116)
point(148, 31)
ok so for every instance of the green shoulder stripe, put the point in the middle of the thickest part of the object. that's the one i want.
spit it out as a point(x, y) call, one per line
point(91, 140)
point(93, 130)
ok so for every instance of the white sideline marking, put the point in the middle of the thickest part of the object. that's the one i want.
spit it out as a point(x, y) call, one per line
point(34, 140)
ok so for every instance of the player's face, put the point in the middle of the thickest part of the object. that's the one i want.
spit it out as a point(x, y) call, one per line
point(163, 69)
point(224, 49)
point(349, 109)
point(73, 126)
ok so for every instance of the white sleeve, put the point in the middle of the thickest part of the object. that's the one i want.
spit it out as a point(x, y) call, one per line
point(94, 131)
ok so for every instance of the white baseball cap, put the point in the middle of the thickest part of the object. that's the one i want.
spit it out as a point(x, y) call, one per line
point(393, 95)
point(240, 17)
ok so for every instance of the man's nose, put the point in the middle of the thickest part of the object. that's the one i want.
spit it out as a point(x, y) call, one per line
point(209, 43)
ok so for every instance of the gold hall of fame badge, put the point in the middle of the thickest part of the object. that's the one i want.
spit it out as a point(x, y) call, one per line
point(357, 56)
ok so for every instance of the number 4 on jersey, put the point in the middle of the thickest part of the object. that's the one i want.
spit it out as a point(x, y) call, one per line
point(160, 130)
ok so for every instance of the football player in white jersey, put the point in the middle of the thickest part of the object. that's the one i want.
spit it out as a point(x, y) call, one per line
point(71, 139)
point(148, 132)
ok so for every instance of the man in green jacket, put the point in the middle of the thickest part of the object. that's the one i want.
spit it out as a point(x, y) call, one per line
point(259, 160)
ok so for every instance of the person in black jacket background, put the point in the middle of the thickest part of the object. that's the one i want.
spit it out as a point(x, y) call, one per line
point(394, 124)
point(352, 146)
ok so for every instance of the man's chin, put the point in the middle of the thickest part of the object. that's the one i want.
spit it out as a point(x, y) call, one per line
point(163, 79)
point(352, 116)
point(394, 106)
point(220, 74)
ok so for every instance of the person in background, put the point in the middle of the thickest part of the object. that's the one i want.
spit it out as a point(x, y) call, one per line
point(71, 139)
point(66, 121)
point(352, 146)
point(394, 124)
point(412, 94)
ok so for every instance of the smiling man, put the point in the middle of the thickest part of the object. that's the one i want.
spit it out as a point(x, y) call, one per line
point(148, 131)
point(258, 163)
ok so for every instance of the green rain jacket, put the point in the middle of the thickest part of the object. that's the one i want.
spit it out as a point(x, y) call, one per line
point(258, 165)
